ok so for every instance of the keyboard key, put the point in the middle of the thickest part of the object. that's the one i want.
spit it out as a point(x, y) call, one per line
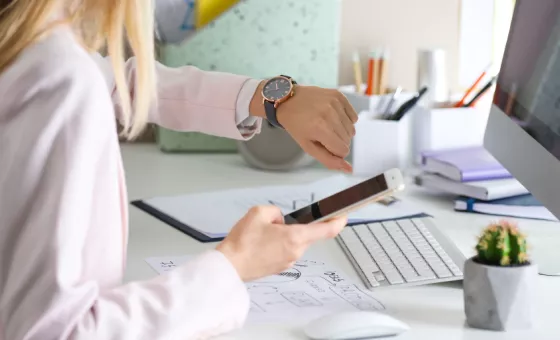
point(394, 278)
point(349, 236)
point(379, 276)
point(441, 271)
point(371, 279)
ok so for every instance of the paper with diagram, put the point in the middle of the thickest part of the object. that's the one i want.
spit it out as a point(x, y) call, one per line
point(214, 213)
point(308, 290)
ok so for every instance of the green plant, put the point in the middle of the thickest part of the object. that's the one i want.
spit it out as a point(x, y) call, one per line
point(502, 244)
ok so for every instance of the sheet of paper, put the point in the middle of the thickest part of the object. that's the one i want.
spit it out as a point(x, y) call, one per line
point(308, 290)
point(165, 264)
point(214, 213)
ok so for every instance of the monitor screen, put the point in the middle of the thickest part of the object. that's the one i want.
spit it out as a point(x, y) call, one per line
point(528, 86)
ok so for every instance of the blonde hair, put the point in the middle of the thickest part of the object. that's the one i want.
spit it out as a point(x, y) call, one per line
point(98, 24)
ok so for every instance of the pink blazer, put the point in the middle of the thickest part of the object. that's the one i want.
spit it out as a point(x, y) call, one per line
point(63, 202)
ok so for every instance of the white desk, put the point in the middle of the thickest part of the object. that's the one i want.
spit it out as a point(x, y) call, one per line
point(433, 312)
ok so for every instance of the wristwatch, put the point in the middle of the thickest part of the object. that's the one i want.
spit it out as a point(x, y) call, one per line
point(277, 90)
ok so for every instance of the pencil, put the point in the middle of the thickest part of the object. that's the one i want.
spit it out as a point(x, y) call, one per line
point(461, 102)
point(486, 87)
point(383, 67)
point(371, 80)
point(357, 72)
point(376, 72)
point(511, 98)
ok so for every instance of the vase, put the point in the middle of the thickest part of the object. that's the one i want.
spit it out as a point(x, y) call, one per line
point(499, 298)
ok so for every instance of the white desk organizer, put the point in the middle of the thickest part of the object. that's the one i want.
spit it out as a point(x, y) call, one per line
point(375, 103)
point(380, 145)
point(444, 128)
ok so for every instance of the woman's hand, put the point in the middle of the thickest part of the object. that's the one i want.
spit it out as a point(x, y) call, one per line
point(260, 244)
point(320, 120)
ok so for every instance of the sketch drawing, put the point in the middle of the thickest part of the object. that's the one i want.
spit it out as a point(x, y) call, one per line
point(308, 290)
point(301, 299)
point(293, 204)
point(168, 264)
point(356, 297)
point(291, 274)
point(262, 289)
point(334, 277)
point(308, 263)
point(256, 308)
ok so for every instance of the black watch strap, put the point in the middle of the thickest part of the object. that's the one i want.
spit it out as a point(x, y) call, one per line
point(271, 114)
point(270, 110)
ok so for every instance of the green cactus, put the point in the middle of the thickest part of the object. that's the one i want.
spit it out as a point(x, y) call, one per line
point(502, 244)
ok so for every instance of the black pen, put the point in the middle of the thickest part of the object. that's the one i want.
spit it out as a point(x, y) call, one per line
point(409, 104)
point(481, 92)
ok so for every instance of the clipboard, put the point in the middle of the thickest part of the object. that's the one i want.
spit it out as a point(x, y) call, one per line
point(165, 218)
point(201, 237)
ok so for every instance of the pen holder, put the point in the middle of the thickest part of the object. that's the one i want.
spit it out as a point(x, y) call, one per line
point(380, 144)
point(445, 128)
point(375, 103)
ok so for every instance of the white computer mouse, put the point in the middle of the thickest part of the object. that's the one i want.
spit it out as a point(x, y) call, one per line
point(354, 325)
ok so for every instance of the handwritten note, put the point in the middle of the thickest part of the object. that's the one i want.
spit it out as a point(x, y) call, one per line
point(308, 290)
point(165, 264)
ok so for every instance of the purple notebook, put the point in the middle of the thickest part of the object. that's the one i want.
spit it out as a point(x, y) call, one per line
point(464, 164)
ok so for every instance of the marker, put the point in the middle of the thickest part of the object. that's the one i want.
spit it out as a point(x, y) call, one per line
point(404, 108)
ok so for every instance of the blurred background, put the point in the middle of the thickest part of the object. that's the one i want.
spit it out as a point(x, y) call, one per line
point(453, 47)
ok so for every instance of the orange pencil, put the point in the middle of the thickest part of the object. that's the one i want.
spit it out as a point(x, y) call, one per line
point(461, 103)
point(372, 74)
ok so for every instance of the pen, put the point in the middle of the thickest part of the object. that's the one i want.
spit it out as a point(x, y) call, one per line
point(357, 72)
point(409, 104)
point(392, 100)
point(461, 102)
point(481, 92)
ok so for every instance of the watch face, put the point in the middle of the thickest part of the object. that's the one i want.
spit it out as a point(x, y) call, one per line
point(277, 88)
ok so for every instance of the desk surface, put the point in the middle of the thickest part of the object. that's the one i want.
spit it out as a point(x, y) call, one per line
point(433, 312)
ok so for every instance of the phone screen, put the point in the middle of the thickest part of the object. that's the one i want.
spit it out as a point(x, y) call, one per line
point(338, 201)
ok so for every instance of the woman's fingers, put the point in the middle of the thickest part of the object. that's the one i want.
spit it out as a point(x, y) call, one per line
point(322, 230)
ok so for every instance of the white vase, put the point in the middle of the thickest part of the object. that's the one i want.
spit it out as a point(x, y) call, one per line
point(499, 298)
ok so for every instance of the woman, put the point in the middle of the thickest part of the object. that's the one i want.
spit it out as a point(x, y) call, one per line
point(63, 204)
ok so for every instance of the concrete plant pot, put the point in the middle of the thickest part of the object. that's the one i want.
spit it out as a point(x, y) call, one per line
point(499, 298)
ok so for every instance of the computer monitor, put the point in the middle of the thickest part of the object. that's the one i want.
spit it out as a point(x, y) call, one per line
point(523, 129)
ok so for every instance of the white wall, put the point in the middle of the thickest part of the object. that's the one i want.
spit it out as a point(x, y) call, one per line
point(403, 26)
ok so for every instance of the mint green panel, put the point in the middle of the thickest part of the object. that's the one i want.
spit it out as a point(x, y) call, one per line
point(260, 39)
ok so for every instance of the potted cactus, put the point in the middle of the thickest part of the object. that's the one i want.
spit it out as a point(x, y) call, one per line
point(500, 281)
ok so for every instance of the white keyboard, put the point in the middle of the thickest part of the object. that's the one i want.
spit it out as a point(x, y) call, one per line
point(406, 252)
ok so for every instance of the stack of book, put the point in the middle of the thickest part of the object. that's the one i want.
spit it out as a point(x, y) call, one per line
point(480, 182)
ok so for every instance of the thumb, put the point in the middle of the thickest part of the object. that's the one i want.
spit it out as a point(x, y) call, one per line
point(324, 230)
point(267, 213)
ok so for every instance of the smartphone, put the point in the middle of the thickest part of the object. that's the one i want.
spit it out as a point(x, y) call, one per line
point(350, 199)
